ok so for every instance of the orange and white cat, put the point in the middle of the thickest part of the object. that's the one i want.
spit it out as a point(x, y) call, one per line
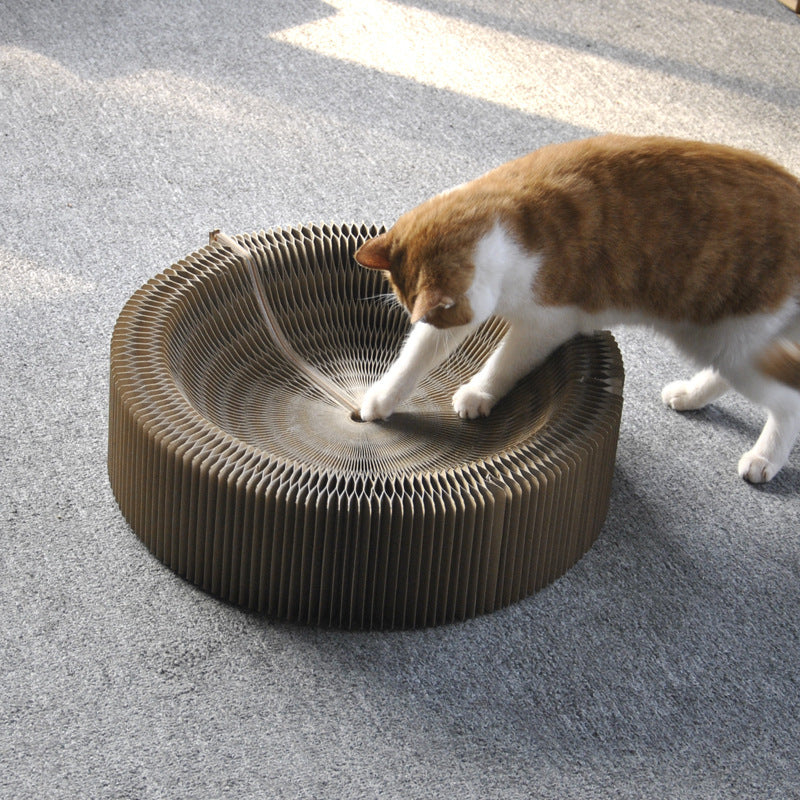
point(701, 242)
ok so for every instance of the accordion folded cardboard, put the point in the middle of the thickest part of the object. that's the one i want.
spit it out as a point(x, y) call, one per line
point(248, 480)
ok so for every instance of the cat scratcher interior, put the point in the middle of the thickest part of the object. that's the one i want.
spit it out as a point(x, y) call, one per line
point(244, 476)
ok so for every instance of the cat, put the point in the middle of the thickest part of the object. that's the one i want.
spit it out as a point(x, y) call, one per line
point(701, 242)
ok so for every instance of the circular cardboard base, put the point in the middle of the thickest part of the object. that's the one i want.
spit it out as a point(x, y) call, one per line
point(251, 483)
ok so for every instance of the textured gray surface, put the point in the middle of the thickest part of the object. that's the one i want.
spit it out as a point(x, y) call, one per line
point(664, 665)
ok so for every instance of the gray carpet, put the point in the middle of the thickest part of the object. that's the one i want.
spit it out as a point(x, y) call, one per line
point(666, 664)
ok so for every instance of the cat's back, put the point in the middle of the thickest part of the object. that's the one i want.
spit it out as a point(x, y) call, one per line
point(615, 161)
point(681, 229)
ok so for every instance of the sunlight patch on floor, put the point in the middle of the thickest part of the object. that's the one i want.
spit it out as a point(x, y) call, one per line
point(561, 83)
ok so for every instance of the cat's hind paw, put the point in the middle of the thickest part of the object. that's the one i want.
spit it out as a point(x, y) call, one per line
point(680, 396)
point(469, 403)
point(704, 388)
point(754, 468)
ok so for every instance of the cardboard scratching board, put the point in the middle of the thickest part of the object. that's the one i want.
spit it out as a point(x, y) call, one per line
point(243, 476)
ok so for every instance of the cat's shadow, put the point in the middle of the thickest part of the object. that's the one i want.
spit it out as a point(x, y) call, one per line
point(785, 483)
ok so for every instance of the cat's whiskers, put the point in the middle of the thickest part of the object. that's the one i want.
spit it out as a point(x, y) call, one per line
point(387, 298)
point(445, 345)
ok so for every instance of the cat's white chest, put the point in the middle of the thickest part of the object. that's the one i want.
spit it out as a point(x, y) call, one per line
point(504, 276)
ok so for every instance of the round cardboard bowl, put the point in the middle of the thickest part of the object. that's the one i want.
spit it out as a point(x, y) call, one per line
point(249, 481)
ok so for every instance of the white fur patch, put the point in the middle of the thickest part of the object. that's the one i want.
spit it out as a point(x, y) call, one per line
point(504, 275)
point(730, 342)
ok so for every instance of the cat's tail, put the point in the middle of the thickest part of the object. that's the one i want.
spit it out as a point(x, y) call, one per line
point(781, 360)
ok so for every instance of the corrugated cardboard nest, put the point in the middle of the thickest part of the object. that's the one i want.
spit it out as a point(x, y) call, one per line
point(246, 478)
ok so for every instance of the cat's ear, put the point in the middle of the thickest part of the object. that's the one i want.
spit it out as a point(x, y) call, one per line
point(374, 253)
point(428, 300)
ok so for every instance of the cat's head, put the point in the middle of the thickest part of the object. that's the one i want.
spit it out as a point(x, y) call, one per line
point(429, 267)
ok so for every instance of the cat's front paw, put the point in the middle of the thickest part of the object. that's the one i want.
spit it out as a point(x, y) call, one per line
point(470, 403)
point(378, 403)
point(754, 468)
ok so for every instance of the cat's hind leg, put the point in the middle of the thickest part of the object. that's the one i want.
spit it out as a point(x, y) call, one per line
point(761, 463)
point(771, 451)
point(704, 388)
point(764, 460)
